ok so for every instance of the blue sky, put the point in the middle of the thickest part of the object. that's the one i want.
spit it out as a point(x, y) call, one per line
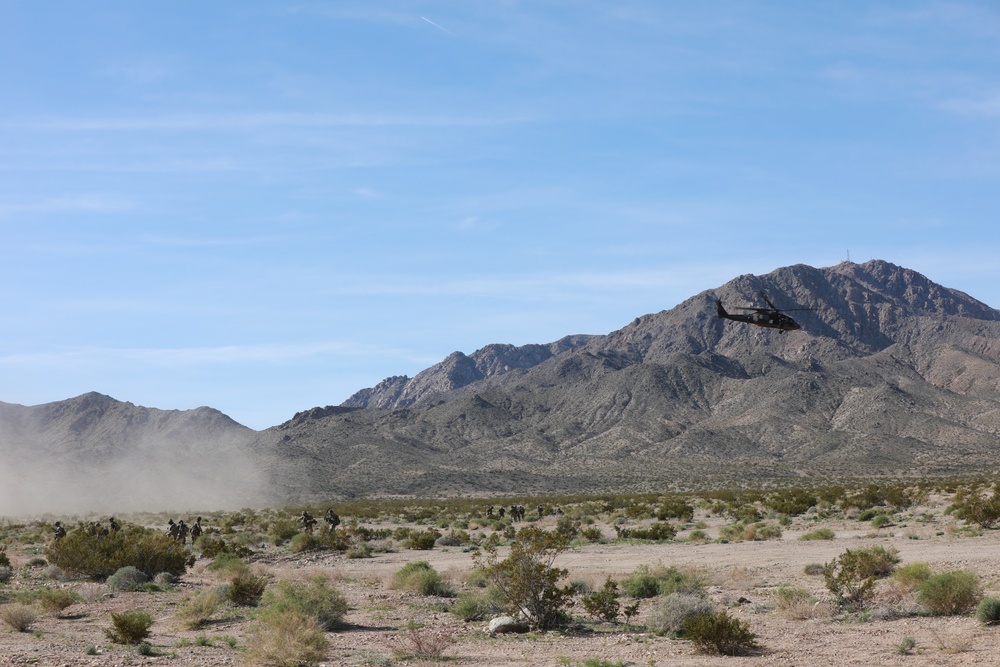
point(265, 206)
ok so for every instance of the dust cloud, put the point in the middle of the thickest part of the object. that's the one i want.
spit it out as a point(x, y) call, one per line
point(148, 480)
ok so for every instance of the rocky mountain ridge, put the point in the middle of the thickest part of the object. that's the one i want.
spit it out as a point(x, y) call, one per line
point(892, 374)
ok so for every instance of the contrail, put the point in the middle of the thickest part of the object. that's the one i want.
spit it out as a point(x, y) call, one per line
point(437, 26)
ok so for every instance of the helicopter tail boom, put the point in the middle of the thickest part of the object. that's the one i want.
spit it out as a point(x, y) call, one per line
point(719, 310)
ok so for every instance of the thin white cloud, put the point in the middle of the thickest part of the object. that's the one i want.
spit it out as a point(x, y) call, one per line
point(82, 357)
point(247, 121)
point(987, 105)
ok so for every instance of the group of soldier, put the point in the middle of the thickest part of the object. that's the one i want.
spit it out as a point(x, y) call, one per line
point(179, 531)
point(309, 521)
point(94, 528)
point(517, 512)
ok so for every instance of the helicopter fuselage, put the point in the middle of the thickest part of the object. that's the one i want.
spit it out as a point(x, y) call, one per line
point(761, 317)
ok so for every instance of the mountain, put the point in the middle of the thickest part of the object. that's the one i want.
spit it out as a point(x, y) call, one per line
point(892, 374)
point(94, 453)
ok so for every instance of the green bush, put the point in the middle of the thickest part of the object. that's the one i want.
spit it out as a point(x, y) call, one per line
point(818, 534)
point(246, 588)
point(316, 599)
point(478, 605)
point(851, 576)
point(420, 577)
point(604, 604)
point(227, 562)
point(5, 574)
point(881, 521)
point(988, 611)
point(909, 577)
point(527, 580)
point(646, 582)
point(100, 556)
point(661, 531)
point(950, 593)
point(128, 578)
point(56, 600)
point(720, 633)
point(670, 613)
point(129, 627)
point(424, 540)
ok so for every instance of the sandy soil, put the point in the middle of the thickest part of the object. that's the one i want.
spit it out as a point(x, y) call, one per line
point(742, 578)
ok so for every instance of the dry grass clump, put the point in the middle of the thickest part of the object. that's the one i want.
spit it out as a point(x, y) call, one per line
point(315, 599)
point(197, 610)
point(19, 617)
point(672, 611)
point(286, 638)
point(424, 643)
point(57, 600)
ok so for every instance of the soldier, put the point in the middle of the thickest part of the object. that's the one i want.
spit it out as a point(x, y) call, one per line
point(501, 512)
point(182, 532)
point(331, 518)
point(115, 526)
point(541, 511)
point(60, 531)
point(489, 511)
point(196, 529)
point(308, 522)
point(172, 529)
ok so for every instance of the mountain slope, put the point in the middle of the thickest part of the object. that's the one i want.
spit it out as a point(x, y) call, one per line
point(892, 374)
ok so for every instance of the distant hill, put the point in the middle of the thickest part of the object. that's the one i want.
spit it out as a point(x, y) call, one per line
point(93, 453)
point(892, 374)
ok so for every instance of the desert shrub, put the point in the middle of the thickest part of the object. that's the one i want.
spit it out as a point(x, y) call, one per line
point(304, 542)
point(814, 569)
point(283, 529)
point(670, 613)
point(198, 609)
point(360, 550)
point(527, 580)
point(165, 579)
point(129, 627)
point(851, 576)
point(591, 533)
point(128, 578)
point(315, 599)
point(420, 577)
point(950, 593)
point(675, 507)
point(425, 643)
point(5, 574)
point(56, 600)
point(719, 633)
point(19, 617)
point(227, 562)
point(792, 501)
point(423, 540)
point(881, 521)
point(646, 582)
point(478, 605)
point(660, 531)
point(907, 578)
point(978, 508)
point(4, 558)
point(604, 604)
point(212, 547)
point(818, 534)
point(988, 611)
point(245, 588)
point(100, 556)
point(743, 531)
point(286, 638)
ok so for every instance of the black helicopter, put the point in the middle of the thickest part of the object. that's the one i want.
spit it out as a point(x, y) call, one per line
point(771, 317)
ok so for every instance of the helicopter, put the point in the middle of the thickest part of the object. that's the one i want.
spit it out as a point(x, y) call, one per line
point(771, 317)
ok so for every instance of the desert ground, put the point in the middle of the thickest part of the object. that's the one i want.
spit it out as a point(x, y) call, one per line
point(740, 577)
